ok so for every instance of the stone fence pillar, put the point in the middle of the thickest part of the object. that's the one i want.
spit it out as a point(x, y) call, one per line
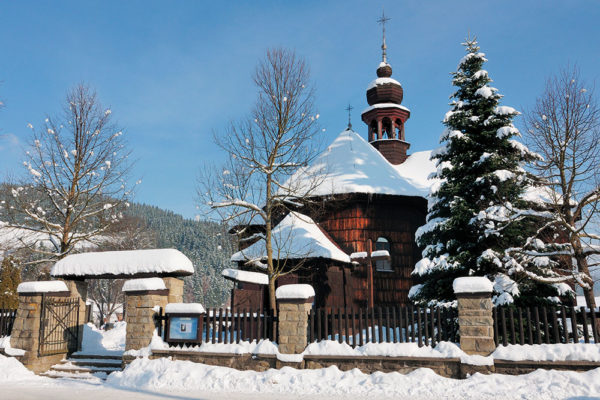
point(294, 303)
point(143, 297)
point(175, 287)
point(25, 334)
point(475, 321)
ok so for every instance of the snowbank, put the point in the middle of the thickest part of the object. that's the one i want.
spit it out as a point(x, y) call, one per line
point(301, 291)
point(549, 352)
point(11, 370)
point(472, 284)
point(96, 341)
point(184, 308)
point(442, 350)
point(128, 262)
point(243, 347)
point(246, 276)
point(165, 375)
point(42, 287)
point(136, 285)
point(5, 344)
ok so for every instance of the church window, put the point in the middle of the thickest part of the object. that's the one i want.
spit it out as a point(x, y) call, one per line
point(383, 244)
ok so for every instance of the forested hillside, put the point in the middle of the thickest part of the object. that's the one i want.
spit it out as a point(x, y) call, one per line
point(207, 244)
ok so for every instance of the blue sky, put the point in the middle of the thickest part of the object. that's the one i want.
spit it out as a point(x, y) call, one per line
point(175, 72)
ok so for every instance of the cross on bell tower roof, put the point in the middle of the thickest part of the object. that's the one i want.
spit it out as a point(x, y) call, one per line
point(382, 21)
point(349, 109)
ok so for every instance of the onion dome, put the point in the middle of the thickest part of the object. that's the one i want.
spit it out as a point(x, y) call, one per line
point(384, 89)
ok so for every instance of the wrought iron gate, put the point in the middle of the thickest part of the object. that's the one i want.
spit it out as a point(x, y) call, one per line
point(59, 325)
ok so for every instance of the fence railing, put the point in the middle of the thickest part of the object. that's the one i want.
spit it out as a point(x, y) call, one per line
point(7, 319)
point(539, 325)
point(227, 326)
point(356, 327)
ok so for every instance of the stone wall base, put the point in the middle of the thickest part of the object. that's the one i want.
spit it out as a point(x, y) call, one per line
point(39, 364)
point(446, 367)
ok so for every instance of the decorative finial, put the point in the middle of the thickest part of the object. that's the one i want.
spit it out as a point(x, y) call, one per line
point(349, 109)
point(382, 21)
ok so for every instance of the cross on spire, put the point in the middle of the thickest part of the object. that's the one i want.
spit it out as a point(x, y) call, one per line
point(382, 21)
point(349, 109)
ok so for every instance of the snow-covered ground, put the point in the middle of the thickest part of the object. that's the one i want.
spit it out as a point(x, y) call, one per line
point(168, 379)
point(96, 341)
point(163, 378)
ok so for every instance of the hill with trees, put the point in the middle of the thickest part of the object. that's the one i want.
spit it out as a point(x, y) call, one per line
point(206, 244)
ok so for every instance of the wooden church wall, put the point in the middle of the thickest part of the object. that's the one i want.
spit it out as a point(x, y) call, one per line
point(359, 218)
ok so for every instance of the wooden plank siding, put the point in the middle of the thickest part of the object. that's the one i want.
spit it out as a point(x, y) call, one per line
point(357, 218)
point(350, 221)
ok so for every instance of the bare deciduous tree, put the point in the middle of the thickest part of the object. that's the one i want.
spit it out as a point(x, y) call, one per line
point(129, 233)
point(263, 151)
point(564, 128)
point(76, 189)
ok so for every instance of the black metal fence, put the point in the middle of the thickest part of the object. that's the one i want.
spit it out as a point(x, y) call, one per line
point(356, 327)
point(7, 320)
point(226, 326)
point(539, 325)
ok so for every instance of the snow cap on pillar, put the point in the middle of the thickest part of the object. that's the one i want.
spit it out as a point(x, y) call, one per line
point(472, 284)
point(39, 287)
point(295, 292)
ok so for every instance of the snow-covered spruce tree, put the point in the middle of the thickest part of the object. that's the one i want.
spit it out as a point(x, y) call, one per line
point(478, 211)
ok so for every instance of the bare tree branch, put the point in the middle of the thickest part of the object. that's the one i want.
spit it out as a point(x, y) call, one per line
point(263, 151)
point(564, 127)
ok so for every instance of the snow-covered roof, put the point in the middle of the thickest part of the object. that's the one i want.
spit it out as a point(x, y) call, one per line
point(472, 284)
point(351, 165)
point(42, 287)
point(245, 276)
point(124, 263)
point(382, 81)
point(297, 291)
point(184, 308)
point(297, 236)
point(136, 285)
point(385, 105)
point(416, 170)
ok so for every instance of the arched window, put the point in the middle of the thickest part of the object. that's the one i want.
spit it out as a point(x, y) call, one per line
point(373, 130)
point(383, 244)
point(399, 127)
point(387, 128)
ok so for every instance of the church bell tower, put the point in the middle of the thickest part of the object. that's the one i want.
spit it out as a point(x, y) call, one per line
point(385, 115)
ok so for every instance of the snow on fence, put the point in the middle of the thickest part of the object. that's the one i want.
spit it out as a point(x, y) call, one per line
point(7, 319)
point(227, 326)
point(539, 325)
point(425, 326)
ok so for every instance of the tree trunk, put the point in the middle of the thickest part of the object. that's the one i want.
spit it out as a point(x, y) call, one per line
point(582, 267)
point(272, 299)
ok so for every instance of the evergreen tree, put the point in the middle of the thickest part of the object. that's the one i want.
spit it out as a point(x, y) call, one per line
point(478, 212)
point(10, 277)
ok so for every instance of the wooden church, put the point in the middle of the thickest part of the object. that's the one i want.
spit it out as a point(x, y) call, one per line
point(360, 249)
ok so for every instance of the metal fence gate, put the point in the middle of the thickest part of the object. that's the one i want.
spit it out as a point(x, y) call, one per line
point(59, 325)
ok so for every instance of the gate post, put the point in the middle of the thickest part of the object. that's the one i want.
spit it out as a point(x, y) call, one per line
point(294, 303)
point(26, 329)
point(143, 296)
point(475, 321)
